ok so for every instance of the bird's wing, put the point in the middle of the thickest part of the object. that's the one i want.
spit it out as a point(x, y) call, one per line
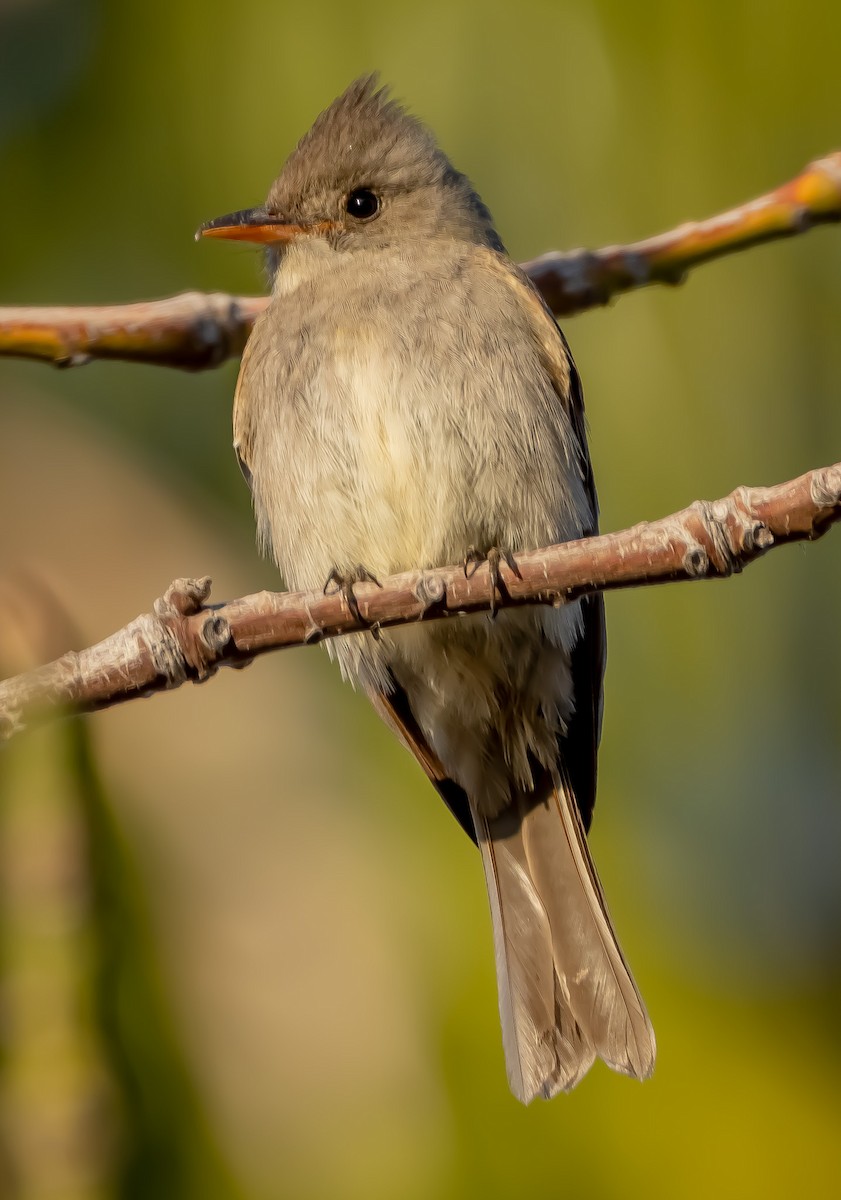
point(579, 747)
point(243, 416)
point(555, 357)
point(395, 710)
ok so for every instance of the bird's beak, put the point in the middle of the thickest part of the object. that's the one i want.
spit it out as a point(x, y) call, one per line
point(257, 225)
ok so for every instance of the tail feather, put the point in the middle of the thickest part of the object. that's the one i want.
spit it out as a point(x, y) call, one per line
point(566, 995)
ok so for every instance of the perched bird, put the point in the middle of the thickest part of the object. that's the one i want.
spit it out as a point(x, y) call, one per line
point(407, 401)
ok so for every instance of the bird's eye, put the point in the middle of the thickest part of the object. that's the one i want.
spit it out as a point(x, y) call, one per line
point(362, 203)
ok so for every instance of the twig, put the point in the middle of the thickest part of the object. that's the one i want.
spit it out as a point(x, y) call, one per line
point(184, 640)
point(196, 331)
point(579, 280)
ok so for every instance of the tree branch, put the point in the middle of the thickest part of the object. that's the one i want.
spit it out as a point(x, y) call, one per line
point(196, 331)
point(193, 331)
point(184, 640)
point(579, 280)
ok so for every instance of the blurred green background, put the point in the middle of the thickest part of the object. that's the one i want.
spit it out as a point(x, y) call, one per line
point(273, 974)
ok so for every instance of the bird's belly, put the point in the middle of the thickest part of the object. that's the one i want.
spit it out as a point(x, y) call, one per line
point(380, 460)
point(381, 482)
point(408, 511)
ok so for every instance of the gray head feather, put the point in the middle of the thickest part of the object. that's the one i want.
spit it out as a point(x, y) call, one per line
point(362, 135)
point(366, 139)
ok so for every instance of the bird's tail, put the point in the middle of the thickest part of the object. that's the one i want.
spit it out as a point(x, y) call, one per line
point(566, 995)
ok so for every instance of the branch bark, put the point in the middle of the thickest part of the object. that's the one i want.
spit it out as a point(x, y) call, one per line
point(183, 639)
point(195, 331)
point(579, 280)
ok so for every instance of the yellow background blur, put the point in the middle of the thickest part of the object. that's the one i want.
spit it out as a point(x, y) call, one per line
point(318, 923)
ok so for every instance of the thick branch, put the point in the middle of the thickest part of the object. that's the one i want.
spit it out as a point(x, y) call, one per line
point(184, 640)
point(196, 331)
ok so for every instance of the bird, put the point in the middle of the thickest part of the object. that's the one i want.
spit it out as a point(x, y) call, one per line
point(407, 401)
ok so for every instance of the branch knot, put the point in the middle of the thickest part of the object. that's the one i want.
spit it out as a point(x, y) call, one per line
point(430, 591)
point(189, 651)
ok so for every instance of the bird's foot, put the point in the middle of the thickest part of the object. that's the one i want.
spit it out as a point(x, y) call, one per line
point(494, 556)
point(343, 581)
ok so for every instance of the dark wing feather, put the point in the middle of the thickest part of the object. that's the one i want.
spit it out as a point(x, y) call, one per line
point(395, 710)
point(579, 747)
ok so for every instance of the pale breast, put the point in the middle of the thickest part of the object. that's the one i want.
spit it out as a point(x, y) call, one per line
point(398, 423)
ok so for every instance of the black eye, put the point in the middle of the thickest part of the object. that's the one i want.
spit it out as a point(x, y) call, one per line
point(362, 204)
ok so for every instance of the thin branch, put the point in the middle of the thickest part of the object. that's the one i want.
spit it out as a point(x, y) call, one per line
point(196, 331)
point(580, 280)
point(184, 640)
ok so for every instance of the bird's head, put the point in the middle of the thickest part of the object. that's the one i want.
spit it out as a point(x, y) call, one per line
point(367, 175)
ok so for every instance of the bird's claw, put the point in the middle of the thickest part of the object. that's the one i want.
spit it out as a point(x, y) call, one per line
point(343, 581)
point(493, 558)
point(472, 559)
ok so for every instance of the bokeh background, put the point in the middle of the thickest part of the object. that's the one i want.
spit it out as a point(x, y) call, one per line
point(243, 950)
